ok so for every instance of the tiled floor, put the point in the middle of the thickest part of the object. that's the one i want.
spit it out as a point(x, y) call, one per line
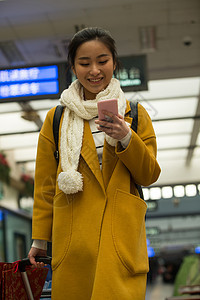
point(159, 290)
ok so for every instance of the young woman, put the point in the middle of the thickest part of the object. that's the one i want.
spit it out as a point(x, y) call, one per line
point(89, 206)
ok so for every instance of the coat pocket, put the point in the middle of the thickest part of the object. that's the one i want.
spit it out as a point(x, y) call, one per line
point(62, 228)
point(128, 231)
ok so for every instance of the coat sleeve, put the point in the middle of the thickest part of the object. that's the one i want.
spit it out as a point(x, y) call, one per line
point(140, 155)
point(45, 181)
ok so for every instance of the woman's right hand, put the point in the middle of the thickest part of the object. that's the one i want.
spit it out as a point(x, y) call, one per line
point(36, 252)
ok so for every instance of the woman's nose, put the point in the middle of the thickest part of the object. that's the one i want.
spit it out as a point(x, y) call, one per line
point(94, 70)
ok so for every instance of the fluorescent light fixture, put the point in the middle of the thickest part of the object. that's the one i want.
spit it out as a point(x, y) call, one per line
point(179, 191)
point(167, 192)
point(146, 193)
point(190, 190)
point(155, 193)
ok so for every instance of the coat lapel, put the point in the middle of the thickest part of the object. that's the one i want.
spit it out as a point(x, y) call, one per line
point(89, 153)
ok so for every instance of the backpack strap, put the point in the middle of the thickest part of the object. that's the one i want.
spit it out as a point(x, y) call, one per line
point(56, 124)
point(134, 126)
point(134, 115)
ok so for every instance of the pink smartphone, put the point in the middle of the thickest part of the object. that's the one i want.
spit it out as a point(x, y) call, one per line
point(110, 105)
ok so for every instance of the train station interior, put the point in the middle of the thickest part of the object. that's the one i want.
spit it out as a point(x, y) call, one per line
point(158, 42)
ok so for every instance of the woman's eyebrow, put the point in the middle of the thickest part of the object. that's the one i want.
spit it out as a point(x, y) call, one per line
point(83, 57)
point(99, 56)
point(102, 55)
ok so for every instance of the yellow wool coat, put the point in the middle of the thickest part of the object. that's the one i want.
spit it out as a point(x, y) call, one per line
point(98, 235)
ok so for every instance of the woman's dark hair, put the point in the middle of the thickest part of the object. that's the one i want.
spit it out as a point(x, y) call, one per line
point(89, 34)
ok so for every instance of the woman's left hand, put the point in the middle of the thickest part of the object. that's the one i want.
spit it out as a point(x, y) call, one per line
point(116, 129)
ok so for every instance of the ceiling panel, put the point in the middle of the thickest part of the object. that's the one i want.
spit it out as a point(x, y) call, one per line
point(9, 107)
point(43, 114)
point(170, 88)
point(173, 20)
point(198, 140)
point(197, 151)
point(173, 127)
point(30, 166)
point(172, 108)
point(12, 122)
point(173, 141)
point(25, 154)
point(44, 104)
point(11, 142)
point(172, 154)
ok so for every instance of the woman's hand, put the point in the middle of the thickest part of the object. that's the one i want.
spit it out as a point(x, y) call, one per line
point(36, 252)
point(116, 129)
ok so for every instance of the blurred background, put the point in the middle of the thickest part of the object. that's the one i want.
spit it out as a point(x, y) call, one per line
point(158, 44)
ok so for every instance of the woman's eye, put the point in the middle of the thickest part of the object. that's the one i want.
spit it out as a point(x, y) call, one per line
point(84, 64)
point(103, 62)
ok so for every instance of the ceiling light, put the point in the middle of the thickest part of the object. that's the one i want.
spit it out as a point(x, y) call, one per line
point(155, 193)
point(179, 191)
point(190, 190)
point(167, 192)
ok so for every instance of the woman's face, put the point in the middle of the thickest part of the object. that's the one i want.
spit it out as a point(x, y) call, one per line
point(93, 66)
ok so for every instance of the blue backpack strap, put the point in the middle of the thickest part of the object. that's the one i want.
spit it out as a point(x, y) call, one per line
point(56, 123)
point(134, 126)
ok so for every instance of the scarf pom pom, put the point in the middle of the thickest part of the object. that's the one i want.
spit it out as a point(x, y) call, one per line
point(70, 182)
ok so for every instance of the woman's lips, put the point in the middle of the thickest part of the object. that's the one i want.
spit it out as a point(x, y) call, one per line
point(95, 80)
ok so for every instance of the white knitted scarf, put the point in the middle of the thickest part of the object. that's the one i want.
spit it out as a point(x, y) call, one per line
point(77, 110)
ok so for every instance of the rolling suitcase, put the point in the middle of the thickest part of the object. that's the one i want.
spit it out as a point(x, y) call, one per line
point(18, 281)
